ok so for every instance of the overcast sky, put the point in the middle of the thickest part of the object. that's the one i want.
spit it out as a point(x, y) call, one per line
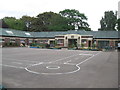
point(93, 9)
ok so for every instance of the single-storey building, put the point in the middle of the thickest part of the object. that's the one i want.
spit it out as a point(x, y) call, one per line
point(79, 38)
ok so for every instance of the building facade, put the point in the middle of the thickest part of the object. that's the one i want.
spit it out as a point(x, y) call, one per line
point(80, 38)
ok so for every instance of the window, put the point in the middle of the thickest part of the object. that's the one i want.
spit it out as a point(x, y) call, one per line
point(59, 36)
point(30, 41)
point(94, 41)
point(43, 41)
point(35, 41)
point(60, 41)
point(84, 41)
point(22, 41)
point(72, 36)
point(86, 36)
point(12, 40)
point(2, 40)
point(103, 44)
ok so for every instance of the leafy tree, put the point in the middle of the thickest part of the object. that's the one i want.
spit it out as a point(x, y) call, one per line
point(14, 23)
point(41, 22)
point(75, 18)
point(3, 24)
point(58, 23)
point(108, 22)
point(27, 20)
point(50, 21)
point(118, 24)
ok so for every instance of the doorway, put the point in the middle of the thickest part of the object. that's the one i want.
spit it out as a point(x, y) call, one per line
point(89, 43)
point(72, 42)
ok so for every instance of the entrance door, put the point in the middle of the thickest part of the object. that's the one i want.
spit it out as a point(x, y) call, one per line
point(89, 44)
point(72, 42)
point(52, 43)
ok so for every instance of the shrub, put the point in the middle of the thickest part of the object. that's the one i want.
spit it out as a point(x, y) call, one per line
point(82, 45)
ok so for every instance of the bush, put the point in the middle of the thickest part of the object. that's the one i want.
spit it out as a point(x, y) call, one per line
point(71, 46)
point(82, 45)
point(89, 48)
point(94, 46)
point(47, 46)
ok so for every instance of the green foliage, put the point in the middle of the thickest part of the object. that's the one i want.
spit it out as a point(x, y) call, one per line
point(3, 25)
point(82, 45)
point(75, 18)
point(27, 21)
point(40, 45)
point(71, 46)
point(108, 22)
point(49, 21)
point(94, 46)
point(14, 23)
point(10, 44)
point(89, 48)
point(118, 22)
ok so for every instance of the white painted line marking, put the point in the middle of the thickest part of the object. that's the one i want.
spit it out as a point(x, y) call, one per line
point(17, 63)
point(86, 54)
point(20, 60)
point(53, 67)
point(53, 73)
point(12, 66)
point(77, 65)
point(88, 58)
point(65, 58)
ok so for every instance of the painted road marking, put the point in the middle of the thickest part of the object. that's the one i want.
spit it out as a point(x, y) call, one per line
point(53, 67)
point(12, 66)
point(48, 67)
point(17, 62)
point(77, 65)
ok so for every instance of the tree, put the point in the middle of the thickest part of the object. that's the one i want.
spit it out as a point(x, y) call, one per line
point(76, 19)
point(58, 23)
point(42, 21)
point(50, 21)
point(27, 20)
point(3, 24)
point(108, 22)
point(14, 23)
point(118, 24)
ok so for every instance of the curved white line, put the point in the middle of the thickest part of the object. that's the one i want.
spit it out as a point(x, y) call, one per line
point(53, 67)
point(77, 65)
point(53, 73)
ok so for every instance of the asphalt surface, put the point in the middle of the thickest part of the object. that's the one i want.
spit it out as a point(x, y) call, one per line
point(44, 68)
